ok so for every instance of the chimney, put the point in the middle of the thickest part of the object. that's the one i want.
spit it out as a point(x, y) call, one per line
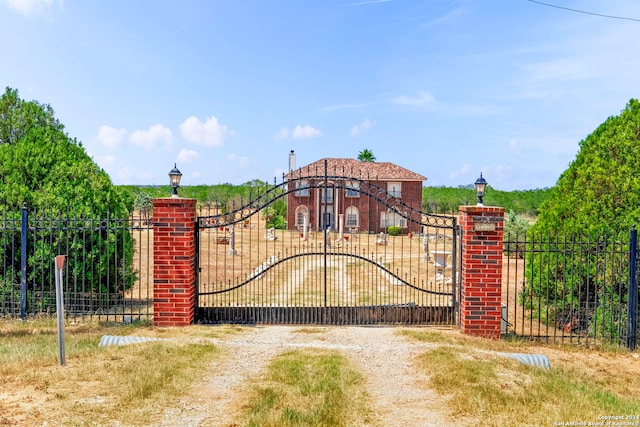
point(292, 161)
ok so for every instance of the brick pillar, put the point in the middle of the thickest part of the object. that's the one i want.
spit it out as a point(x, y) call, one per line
point(480, 304)
point(174, 261)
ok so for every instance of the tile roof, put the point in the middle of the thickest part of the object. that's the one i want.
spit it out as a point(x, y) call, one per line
point(351, 167)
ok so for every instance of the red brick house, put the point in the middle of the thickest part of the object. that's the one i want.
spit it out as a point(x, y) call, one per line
point(347, 197)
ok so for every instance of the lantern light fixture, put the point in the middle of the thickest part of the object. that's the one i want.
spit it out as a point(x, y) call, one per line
point(175, 176)
point(481, 185)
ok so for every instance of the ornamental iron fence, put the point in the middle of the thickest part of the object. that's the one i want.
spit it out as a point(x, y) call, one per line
point(571, 289)
point(107, 274)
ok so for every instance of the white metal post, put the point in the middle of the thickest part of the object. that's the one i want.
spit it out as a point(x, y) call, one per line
point(60, 307)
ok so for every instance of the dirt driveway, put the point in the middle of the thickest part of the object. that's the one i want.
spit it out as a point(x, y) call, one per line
point(398, 392)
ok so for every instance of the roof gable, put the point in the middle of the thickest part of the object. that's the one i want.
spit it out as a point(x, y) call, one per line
point(384, 171)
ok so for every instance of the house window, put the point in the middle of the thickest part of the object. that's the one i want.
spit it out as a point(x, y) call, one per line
point(301, 213)
point(327, 195)
point(388, 219)
point(353, 189)
point(302, 188)
point(352, 216)
point(394, 189)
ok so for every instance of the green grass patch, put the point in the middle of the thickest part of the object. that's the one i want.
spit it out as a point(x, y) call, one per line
point(309, 388)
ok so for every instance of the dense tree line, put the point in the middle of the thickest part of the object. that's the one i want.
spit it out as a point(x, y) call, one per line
point(448, 199)
point(434, 199)
point(225, 196)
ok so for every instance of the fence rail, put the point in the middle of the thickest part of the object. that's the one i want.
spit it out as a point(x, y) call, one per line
point(108, 273)
point(573, 289)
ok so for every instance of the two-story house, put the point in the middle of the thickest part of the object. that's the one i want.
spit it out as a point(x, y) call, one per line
point(365, 196)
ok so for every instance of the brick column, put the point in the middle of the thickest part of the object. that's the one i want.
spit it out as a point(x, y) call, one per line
point(480, 304)
point(174, 261)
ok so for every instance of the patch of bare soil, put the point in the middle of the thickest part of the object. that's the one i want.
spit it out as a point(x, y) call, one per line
point(398, 392)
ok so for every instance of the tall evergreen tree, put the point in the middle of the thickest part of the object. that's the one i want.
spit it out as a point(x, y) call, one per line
point(600, 190)
point(44, 167)
point(590, 210)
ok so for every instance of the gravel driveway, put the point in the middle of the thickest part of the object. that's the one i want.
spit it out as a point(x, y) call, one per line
point(398, 392)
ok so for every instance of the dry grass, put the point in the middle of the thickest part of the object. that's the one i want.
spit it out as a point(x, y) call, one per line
point(133, 385)
point(582, 384)
point(308, 388)
point(98, 386)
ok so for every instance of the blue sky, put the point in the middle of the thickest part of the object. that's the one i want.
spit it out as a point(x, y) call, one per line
point(226, 88)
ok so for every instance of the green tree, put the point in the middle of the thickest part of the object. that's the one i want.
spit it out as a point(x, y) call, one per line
point(588, 213)
point(366, 155)
point(600, 190)
point(42, 166)
point(18, 117)
point(143, 204)
point(515, 231)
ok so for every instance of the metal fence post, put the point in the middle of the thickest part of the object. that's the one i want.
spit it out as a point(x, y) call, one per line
point(632, 324)
point(60, 307)
point(23, 261)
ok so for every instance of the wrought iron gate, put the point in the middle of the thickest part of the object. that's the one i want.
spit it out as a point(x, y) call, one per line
point(251, 273)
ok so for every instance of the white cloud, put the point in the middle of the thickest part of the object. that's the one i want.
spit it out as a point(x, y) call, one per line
point(362, 3)
point(148, 139)
point(305, 132)
point(463, 171)
point(126, 175)
point(347, 106)
point(111, 137)
point(187, 156)
point(446, 18)
point(131, 175)
point(361, 128)
point(210, 133)
point(515, 147)
point(241, 161)
point(29, 7)
point(423, 98)
point(106, 162)
point(282, 134)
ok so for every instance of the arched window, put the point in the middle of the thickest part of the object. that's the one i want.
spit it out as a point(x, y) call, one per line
point(352, 217)
point(301, 211)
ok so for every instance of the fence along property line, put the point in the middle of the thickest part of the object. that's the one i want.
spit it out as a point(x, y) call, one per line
point(107, 274)
point(571, 288)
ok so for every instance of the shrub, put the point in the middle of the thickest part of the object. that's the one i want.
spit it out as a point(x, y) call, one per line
point(394, 230)
point(515, 231)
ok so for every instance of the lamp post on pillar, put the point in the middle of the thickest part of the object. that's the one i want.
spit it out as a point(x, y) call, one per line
point(481, 185)
point(482, 247)
point(174, 255)
point(175, 176)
